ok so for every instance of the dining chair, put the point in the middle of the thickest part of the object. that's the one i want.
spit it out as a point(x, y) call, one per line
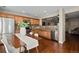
point(31, 33)
point(9, 48)
point(22, 48)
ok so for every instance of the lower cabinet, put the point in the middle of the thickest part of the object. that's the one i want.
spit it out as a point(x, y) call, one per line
point(43, 33)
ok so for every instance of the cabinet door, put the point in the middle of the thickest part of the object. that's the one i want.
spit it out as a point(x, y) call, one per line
point(35, 22)
point(2, 15)
point(18, 19)
point(48, 35)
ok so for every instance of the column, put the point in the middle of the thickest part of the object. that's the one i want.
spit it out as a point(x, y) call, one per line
point(40, 22)
point(61, 26)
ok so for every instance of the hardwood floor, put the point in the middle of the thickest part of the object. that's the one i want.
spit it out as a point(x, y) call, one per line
point(71, 45)
point(2, 48)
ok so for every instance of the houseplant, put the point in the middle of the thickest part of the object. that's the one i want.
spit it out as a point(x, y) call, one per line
point(23, 25)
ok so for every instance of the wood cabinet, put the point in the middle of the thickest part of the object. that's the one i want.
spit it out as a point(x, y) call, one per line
point(35, 21)
point(6, 15)
point(19, 18)
point(43, 33)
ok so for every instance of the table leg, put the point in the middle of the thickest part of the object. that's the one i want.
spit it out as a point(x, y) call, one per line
point(37, 50)
point(28, 51)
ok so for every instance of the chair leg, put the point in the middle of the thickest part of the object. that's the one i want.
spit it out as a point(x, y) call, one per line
point(20, 49)
point(4, 49)
point(37, 50)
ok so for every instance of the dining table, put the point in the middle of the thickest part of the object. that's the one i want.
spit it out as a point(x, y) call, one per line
point(30, 41)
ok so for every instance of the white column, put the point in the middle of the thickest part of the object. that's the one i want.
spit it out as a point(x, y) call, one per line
point(61, 26)
point(40, 22)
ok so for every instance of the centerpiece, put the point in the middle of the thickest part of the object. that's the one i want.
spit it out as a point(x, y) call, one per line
point(23, 25)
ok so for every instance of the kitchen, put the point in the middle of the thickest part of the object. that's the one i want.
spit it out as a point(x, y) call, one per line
point(47, 30)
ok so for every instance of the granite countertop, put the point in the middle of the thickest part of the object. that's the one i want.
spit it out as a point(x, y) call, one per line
point(44, 28)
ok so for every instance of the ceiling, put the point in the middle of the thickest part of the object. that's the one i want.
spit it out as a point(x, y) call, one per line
point(35, 11)
point(72, 15)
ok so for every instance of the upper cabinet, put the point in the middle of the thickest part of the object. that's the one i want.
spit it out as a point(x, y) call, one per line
point(6, 15)
point(50, 21)
point(18, 18)
point(35, 21)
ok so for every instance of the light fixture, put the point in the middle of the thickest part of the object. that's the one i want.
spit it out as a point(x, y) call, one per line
point(45, 11)
point(23, 11)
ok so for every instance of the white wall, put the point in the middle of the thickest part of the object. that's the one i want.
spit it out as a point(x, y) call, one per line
point(71, 24)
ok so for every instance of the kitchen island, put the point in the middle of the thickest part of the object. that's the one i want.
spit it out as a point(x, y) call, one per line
point(44, 32)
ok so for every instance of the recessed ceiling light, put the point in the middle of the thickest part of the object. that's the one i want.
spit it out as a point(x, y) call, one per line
point(45, 11)
point(23, 11)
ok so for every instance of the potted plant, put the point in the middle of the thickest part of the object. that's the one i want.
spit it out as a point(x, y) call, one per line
point(23, 26)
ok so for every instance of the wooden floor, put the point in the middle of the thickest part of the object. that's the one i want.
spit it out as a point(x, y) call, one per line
point(71, 45)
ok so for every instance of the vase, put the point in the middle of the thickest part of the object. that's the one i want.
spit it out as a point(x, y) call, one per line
point(22, 31)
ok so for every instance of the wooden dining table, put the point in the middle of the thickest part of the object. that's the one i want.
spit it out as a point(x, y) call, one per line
point(30, 41)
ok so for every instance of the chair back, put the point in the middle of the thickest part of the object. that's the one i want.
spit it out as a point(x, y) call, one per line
point(8, 47)
point(31, 33)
